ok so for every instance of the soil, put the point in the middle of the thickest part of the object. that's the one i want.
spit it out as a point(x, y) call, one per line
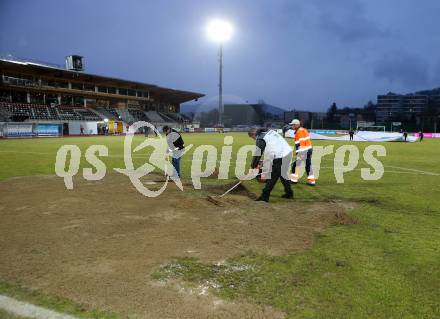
point(99, 243)
point(241, 189)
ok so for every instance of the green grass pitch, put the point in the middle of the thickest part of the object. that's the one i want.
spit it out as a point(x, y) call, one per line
point(386, 266)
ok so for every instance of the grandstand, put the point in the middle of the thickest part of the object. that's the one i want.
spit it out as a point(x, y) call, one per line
point(112, 112)
point(20, 112)
point(34, 92)
point(138, 114)
point(87, 114)
point(155, 117)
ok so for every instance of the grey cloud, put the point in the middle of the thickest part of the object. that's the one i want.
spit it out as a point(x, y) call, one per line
point(351, 29)
point(404, 68)
point(347, 20)
point(436, 74)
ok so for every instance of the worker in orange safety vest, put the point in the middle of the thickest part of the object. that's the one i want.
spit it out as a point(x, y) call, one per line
point(304, 151)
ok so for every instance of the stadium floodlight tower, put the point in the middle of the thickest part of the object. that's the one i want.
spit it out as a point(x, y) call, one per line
point(220, 31)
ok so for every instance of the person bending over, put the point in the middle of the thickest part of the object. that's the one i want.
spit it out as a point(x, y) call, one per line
point(277, 155)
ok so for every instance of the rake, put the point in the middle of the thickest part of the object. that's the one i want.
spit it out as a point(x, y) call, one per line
point(215, 201)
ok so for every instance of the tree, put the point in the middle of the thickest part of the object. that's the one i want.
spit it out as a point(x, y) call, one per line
point(370, 106)
point(331, 112)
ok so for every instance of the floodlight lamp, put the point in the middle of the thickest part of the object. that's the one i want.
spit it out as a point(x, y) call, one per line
point(219, 30)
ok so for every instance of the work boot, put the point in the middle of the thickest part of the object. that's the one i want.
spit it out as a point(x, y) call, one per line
point(287, 196)
point(262, 199)
point(311, 181)
point(294, 178)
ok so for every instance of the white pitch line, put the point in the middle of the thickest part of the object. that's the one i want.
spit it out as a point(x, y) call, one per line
point(24, 309)
point(358, 169)
point(397, 167)
point(415, 170)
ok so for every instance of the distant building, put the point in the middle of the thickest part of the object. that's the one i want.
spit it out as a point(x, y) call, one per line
point(400, 107)
point(348, 117)
point(434, 102)
point(303, 116)
point(308, 119)
point(241, 114)
point(260, 114)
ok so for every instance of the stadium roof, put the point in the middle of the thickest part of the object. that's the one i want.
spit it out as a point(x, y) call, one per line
point(57, 71)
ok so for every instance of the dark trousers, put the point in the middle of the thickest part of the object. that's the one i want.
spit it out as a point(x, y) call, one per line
point(277, 173)
point(176, 165)
point(308, 162)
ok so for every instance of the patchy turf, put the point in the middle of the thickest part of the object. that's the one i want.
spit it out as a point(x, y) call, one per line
point(99, 243)
point(41, 298)
point(379, 261)
point(7, 315)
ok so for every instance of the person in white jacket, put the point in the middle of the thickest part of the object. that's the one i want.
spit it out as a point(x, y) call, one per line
point(278, 154)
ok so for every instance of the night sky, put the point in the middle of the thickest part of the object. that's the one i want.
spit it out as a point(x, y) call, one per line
point(302, 54)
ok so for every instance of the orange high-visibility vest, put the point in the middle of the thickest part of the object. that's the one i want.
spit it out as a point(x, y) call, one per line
point(302, 140)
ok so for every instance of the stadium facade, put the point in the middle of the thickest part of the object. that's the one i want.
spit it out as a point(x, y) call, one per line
point(78, 102)
point(404, 106)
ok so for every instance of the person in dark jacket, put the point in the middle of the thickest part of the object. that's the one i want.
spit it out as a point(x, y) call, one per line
point(176, 147)
point(351, 133)
point(405, 135)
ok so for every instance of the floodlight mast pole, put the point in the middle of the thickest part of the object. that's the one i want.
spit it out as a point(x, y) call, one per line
point(220, 87)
